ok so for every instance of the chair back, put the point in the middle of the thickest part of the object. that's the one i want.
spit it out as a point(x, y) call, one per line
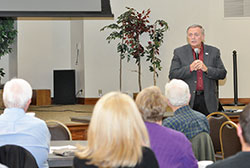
point(230, 142)
point(215, 120)
point(58, 130)
point(202, 146)
point(14, 156)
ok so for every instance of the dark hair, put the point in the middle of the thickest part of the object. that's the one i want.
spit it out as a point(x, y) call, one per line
point(245, 123)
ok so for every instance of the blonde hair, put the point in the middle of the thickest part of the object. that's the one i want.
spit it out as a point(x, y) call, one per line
point(116, 133)
point(151, 103)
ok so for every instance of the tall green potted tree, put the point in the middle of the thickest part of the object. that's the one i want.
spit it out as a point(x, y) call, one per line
point(129, 28)
point(7, 37)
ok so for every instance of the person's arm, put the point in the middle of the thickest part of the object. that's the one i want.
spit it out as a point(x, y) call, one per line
point(217, 70)
point(178, 69)
point(188, 158)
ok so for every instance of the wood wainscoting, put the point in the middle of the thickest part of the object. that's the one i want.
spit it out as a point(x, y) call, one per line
point(222, 100)
point(231, 100)
point(78, 131)
point(41, 97)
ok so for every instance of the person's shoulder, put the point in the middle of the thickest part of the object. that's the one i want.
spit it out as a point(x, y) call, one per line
point(147, 152)
point(199, 114)
point(149, 159)
point(176, 119)
point(35, 122)
point(170, 121)
point(169, 132)
point(210, 47)
point(182, 47)
point(177, 136)
point(238, 160)
point(222, 163)
point(82, 163)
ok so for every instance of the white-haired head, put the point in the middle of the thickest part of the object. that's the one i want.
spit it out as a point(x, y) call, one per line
point(177, 92)
point(17, 93)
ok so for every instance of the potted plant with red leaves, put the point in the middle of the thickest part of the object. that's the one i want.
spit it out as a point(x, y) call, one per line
point(129, 28)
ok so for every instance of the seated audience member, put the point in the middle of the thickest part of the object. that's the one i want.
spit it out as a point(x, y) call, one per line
point(20, 129)
point(241, 159)
point(117, 136)
point(185, 119)
point(172, 148)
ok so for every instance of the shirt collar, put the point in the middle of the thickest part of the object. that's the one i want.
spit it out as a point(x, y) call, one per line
point(182, 109)
point(17, 111)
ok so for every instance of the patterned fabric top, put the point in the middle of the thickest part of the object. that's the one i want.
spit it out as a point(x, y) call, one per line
point(187, 121)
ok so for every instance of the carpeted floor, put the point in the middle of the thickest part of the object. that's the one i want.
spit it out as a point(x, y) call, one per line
point(64, 112)
point(60, 112)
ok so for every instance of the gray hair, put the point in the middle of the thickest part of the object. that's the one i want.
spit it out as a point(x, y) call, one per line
point(197, 25)
point(151, 103)
point(177, 92)
point(16, 93)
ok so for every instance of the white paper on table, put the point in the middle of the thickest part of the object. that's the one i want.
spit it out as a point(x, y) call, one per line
point(59, 149)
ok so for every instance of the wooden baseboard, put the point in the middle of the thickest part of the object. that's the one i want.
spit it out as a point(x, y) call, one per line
point(222, 100)
point(87, 101)
point(92, 101)
point(231, 100)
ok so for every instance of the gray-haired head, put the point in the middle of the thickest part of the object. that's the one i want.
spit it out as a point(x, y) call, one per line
point(197, 25)
point(17, 93)
point(177, 92)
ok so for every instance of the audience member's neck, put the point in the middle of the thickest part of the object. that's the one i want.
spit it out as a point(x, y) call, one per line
point(174, 108)
point(245, 147)
point(159, 122)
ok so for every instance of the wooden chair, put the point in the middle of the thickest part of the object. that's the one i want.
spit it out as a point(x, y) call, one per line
point(14, 156)
point(58, 130)
point(215, 120)
point(230, 142)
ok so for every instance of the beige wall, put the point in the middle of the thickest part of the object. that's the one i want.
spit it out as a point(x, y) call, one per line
point(47, 45)
point(43, 46)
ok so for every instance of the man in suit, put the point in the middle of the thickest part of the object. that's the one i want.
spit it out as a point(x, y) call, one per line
point(241, 159)
point(200, 66)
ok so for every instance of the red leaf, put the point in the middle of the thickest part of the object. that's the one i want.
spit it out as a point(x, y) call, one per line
point(148, 12)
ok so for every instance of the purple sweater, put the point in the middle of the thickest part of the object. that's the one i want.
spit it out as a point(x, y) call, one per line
point(172, 148)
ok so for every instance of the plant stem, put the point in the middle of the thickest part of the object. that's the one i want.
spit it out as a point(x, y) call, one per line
point(120, 79)
point(153, 59)
point(139, 73)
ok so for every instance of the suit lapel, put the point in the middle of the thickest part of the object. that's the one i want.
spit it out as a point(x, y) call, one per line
point(189, 55)
point(205, 55)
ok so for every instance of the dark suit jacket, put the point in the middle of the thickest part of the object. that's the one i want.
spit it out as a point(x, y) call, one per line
point(180, 69)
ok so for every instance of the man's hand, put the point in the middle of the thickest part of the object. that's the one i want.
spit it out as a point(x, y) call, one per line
point(198, 64)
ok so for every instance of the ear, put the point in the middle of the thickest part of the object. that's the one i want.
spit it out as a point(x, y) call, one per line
point(27, 105)
point(239, 131)
point(203, 38)
point(189, 98)
point(169, 104)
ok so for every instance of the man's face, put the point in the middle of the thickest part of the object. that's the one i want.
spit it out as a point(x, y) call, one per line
point(195, 37)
